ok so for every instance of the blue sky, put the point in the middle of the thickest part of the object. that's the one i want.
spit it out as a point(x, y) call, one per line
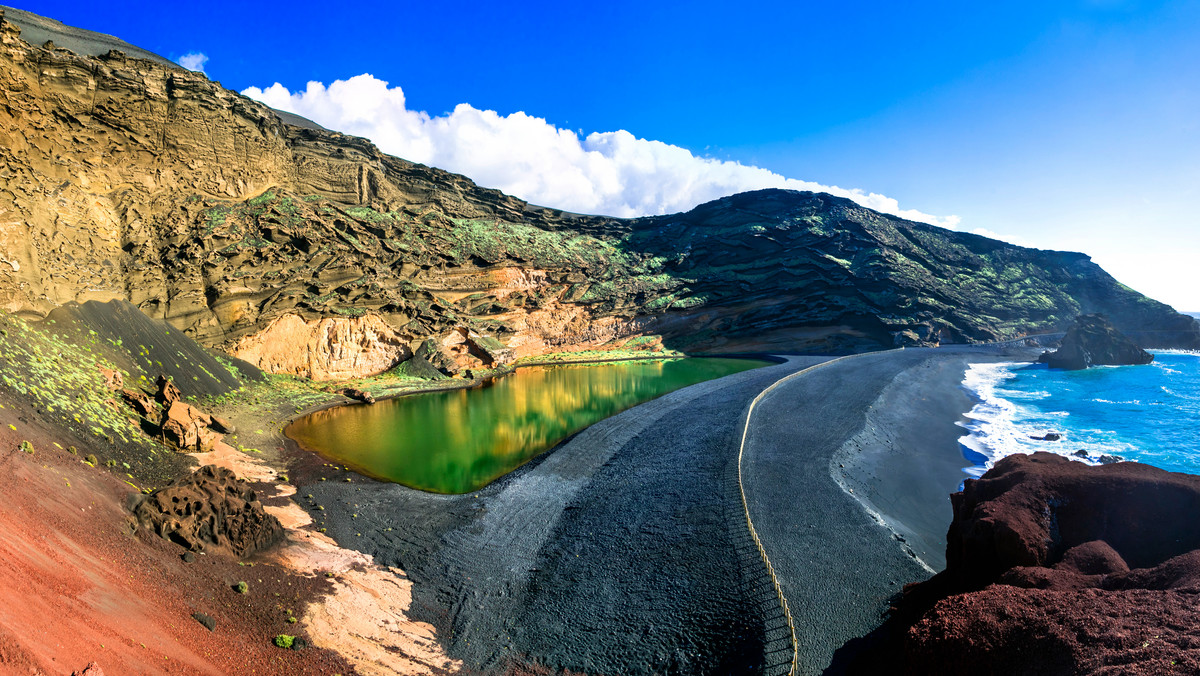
point(1070, 125)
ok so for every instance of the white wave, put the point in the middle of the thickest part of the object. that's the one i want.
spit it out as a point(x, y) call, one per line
point(998, 427)
point(1034, 395)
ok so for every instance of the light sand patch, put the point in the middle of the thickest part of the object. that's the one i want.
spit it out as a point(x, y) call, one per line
point(242, 464)
point(363, 618)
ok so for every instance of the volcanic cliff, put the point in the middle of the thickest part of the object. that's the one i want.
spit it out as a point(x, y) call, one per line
point(307, 251)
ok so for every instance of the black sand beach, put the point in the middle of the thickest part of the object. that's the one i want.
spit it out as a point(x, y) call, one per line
point(625, 550)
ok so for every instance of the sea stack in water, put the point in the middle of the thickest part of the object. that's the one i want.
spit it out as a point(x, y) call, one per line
point(1093, 341)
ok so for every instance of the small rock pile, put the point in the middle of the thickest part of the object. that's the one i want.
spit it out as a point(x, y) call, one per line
point(175, 420)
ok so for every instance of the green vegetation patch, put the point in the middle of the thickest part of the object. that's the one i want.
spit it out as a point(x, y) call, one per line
point(65, 380)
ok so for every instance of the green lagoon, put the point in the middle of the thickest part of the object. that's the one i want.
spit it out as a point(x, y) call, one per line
point(457, 441)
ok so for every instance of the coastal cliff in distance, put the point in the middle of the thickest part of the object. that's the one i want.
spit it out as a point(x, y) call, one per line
point(307, 251)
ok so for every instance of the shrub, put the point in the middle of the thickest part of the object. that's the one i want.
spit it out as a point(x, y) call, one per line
point(284, 641)
point(241, 588)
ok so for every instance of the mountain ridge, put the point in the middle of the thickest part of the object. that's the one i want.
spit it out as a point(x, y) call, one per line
point(138, 180)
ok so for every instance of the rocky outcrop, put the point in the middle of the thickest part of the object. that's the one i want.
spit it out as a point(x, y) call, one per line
point(325, 349)
point(1058, 567)
point(133, 179)
point(357, 395)
point(209, 511)
point(189, 428)
point(1093, 341)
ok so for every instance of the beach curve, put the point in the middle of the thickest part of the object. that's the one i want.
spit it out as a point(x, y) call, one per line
point(840, 536)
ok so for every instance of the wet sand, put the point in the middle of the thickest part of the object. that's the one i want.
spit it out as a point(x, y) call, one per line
point(848, 471)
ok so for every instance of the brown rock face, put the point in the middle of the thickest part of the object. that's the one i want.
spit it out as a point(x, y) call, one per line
point(325, 349)
point(210, 511)
point(142, 403)
point(1056, 567)
point(188, 427)
point(167, 393)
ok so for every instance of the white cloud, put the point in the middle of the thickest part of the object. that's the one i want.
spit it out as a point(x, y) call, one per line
point(194, 61)
point(611, 173)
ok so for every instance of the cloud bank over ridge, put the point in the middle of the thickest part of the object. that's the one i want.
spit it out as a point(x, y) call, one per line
point(611, 173)
point(194, 61)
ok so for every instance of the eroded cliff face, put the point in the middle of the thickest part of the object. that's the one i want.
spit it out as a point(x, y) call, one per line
point(331, 348)
point(307, 251)
point(127, 178)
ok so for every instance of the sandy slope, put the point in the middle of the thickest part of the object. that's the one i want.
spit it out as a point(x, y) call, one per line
point(80, 588)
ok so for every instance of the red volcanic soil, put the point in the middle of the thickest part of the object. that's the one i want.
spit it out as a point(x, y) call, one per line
point(79, 588)
point(1056, 567)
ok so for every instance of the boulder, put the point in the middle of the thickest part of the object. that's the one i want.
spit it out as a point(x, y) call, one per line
point(357, 395)
point(167, 392)
point(1093, 341)
point(436, 355)
point(188, 427)
point(489, 350)
point(222, 425)
point(206, 620)
point(113, 379)
point(1055, 566)
point(211, 511)
point(142, 403)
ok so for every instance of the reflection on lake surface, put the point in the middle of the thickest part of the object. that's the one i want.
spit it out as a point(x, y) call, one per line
point(459, 440)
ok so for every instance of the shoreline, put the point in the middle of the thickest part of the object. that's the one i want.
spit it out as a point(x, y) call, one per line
point(478, 383)
point(839, 559)
point(416, 534)
point(907, 459)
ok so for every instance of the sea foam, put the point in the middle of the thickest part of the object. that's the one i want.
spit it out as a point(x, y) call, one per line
point(1141, 413)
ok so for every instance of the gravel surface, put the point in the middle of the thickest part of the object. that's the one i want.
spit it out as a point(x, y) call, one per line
point(891, 417)
point(624, 550)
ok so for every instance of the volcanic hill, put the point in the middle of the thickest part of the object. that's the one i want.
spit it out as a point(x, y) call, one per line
point(306, 251)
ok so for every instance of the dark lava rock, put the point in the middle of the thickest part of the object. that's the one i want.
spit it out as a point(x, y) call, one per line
point(1049, 436)
point(210, 511)
point(168, 393)
point(188, 557)
point(221, 425)
point(358, 395)
point(1058, 567)
point(206, 620)
point(1093, 341)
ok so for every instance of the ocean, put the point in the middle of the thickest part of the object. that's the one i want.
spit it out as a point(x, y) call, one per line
point(1148, 414)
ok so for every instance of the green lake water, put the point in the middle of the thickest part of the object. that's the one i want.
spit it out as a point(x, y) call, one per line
point(457, 441)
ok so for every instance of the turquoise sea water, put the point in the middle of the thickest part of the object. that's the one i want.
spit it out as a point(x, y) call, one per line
point(1148, 413)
